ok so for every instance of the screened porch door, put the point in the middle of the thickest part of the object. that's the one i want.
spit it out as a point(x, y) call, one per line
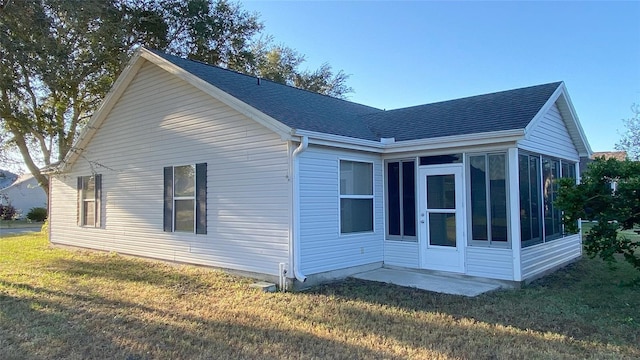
point(441, 218)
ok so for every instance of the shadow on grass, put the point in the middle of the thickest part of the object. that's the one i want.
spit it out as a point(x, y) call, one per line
point(124, 269)
point(52, 324)
point(567, 303)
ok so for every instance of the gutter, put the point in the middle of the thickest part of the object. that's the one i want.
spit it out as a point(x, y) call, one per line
point(294, 243)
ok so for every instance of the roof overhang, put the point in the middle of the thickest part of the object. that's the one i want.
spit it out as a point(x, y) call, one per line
point(440, 143)
point(141, 56)
point(561, 98)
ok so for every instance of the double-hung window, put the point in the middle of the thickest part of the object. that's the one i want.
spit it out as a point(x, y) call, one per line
point(89, 194)
point(185, 198)
point(356, 197)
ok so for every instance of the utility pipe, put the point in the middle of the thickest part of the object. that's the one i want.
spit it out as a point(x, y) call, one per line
point(294, 244)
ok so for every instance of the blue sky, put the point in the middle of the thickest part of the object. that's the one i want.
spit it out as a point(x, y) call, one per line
point(408, 53)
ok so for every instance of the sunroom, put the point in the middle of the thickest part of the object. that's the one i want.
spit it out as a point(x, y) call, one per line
point(488, 214)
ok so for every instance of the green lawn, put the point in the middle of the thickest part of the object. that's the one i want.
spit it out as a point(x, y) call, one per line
point(57, 303)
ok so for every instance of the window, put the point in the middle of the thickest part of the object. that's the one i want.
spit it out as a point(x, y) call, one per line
point(401, 200)
point(552, 218)
point(441, 159)
point(488, 182)
point(185, 198)
point(89, 195)
point(540, 219)
point(356, 197)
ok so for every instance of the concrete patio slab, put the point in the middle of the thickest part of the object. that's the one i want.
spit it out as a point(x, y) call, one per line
point(441, 282)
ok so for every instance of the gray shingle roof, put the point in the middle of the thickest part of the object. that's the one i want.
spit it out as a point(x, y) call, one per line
point(304, 110)
point(504, 110)
point(296, 108)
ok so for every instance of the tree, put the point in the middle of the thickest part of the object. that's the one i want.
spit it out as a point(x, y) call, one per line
point(280, 63)
point(608, 193)
point(630, 141)
point(60, 57)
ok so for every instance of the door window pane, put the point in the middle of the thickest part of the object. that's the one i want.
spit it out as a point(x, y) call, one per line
point(184, 215)
point(356, 215)
point(442, 229)
point(478, 197)
point(441, 192)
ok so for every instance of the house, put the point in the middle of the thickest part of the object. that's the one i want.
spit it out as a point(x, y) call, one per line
point(193, 163)
point(24, 194)
point(618, 155)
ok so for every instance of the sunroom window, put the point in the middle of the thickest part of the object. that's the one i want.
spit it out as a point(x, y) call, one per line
point(401, 200)
point(540, 219)
point(487, 177)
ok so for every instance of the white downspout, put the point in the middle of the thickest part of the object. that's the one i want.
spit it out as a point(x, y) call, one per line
point(294, 244)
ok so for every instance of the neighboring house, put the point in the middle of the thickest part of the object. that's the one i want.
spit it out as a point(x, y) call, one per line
point(7, 178)
point(24, 194)
point(618, 155)
point(192, 163)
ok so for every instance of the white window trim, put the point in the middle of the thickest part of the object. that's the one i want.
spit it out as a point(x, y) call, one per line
point(372, 197)
point(174, 198)
point(86, 200)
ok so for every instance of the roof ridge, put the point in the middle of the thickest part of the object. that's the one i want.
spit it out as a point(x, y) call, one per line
point(557, 83)
point(156, 51)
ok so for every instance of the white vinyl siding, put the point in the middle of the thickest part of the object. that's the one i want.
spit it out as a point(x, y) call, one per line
point(322, 247)
point(550, 136)
point(491, 263)
point(161, 121)
point(402, 253)
point(539, 258)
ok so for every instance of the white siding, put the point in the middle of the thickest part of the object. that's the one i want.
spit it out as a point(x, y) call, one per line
point(402, 253)
point(550, 137)
point(542, 257)
point(322, 248)
point(490, 262)
point(161, 121)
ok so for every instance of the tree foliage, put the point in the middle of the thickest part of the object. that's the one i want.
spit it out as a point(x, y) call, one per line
point(60, 57)
point(609, 194)
point(630, 141)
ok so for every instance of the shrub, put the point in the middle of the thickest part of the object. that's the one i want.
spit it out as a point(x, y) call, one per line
point(7, 212)
point(45, 227)
point(37, 214)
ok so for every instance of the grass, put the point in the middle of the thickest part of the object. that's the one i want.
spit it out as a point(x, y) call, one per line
point(74, 304)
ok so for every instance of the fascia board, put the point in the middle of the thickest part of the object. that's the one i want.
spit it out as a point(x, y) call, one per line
point(543, 110)
point(249, 111)
point(339, 141)
point(103, 110)
point(561, 94)
point(456, 141)
point(576, 122)
point(496, 137)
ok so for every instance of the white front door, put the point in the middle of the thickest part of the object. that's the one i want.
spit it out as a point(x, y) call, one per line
point(441, 218)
